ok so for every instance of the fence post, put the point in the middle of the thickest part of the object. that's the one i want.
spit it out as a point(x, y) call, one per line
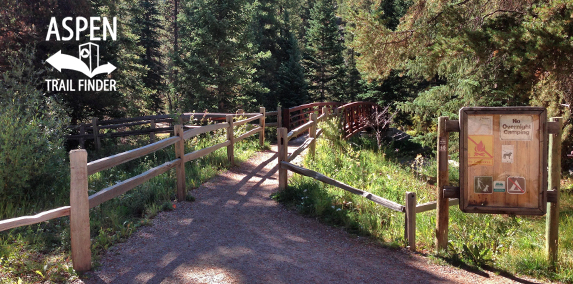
point(285, 118)
point(180, 154)
point(152, 133)
point(80, 211)
point(325, 111)
point(279, 117)
point(282, 145)
point(82, 132)
point(231, 138)
point(410, 230)
point(312, 133)
point(442, 206)
point(554, 182)
point(96, 132)
point(262, 125)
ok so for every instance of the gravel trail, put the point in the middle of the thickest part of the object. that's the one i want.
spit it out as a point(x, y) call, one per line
point(235, 233)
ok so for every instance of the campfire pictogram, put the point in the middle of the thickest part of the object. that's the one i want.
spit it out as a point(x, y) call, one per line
point(479, 149)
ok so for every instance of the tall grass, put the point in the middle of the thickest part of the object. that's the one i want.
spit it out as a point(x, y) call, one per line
point(513, 244)
point(40, 252)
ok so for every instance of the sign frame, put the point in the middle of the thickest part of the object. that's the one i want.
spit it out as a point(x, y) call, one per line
point(465, 204)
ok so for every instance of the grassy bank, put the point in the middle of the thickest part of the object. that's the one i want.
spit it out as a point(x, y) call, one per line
point(39, 253)
point(513, 244)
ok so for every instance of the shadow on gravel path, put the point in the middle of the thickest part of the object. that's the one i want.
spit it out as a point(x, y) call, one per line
point(235, 233)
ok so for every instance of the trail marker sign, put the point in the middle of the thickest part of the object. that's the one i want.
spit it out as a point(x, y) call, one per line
point(503, 160)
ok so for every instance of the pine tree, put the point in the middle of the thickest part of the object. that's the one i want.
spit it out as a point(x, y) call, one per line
point(147, 26)
point(323, 57)
point(217, 55)
point(292, 88)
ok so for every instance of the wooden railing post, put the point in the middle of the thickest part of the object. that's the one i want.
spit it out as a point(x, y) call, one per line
point(80, 211)
point(262, 125)
point(442, 206)
point(312, 134)
point(325, 111)
point(231, 138)
point(152, 134)
point(285, 118)
point(410, 230)
point(96, 133)
point(180, 169)
point(279, 117)
point(82, 140)
point(282, 145)
point(554, 182)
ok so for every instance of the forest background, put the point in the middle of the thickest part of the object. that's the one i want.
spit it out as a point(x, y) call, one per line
point(424, 59)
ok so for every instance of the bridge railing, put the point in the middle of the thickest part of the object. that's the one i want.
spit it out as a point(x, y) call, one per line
point(80, 170)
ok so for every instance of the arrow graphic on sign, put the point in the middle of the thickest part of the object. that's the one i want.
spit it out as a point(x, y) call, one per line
point(64, 61)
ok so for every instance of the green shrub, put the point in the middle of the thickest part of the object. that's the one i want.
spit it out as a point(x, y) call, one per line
point(32, 156)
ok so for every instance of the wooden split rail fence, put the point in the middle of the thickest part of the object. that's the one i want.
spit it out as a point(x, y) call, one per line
point(303, 117)
point(80, 170)
point(410, 209)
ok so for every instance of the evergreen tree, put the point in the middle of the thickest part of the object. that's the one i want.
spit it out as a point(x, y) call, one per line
point(266, 36)
point(147, 26)
point(324, 54)
point(217, 55)
point(291, 90)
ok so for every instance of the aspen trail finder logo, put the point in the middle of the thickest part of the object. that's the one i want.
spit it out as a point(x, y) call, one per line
point(88, 60)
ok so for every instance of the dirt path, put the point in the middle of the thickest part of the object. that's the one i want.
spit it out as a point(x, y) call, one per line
point(235, 233)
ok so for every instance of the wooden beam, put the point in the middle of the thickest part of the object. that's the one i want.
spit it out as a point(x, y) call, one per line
point(554, 183)
point(300, 149)
point(282, 146)
point(295, 132)
point(262, 125)
point(241, 122)
point(312, 134)
point(315, 175)
point(203, 129)
point(442, 209)
point(128, 184)
point(79, 211)
point(451, 191)
point(249, 133)
point(432, 205)
point(34, 219)
point(118, 159)
point(205, 151)
point(410, 209)
point(452, 126)
point(231, 139)
point(96, 133)
point(180, 154)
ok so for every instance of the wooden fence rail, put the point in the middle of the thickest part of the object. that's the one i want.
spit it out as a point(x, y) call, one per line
point(80, 202)
point(92, 131)
point(352, 113)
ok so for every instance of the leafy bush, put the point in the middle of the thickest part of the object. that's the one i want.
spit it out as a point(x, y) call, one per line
point(32, 156)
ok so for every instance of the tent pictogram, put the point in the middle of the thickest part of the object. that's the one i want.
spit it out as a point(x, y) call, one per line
point(515, 185)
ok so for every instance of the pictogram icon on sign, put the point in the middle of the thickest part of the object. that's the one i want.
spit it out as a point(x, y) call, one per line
point(515, 185)
point(483, 184)
point(480, 149)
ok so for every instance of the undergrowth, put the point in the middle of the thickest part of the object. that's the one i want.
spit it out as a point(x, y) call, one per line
point(41, 252)
point(502, 243)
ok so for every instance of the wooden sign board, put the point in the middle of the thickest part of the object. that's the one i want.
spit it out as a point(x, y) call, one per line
point(503, 160)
